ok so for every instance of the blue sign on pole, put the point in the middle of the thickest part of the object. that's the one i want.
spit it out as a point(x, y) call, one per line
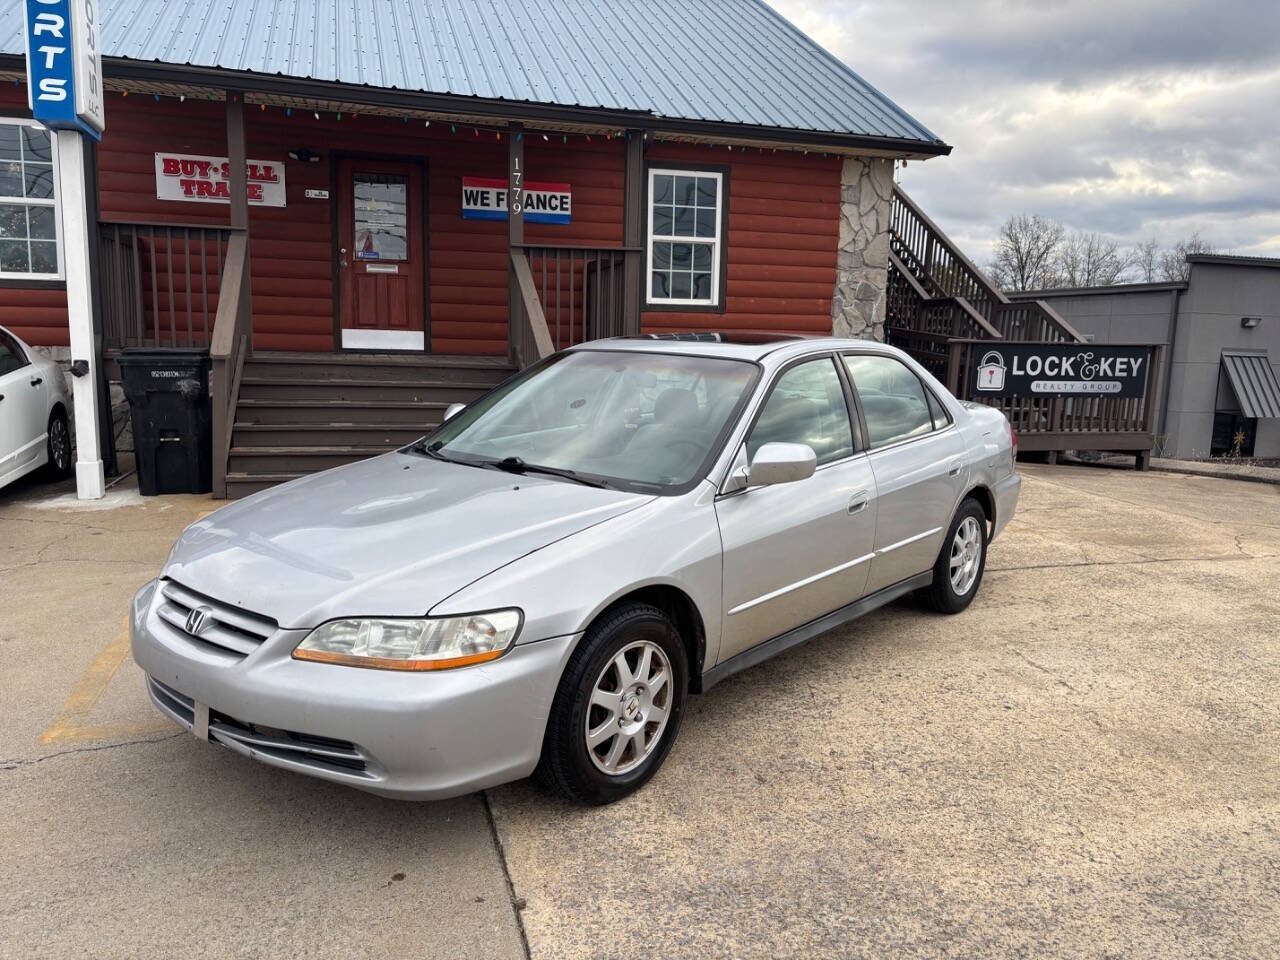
point(64, 65)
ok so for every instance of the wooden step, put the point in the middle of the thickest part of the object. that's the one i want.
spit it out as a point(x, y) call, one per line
point(389, 436)
point(261, 387)
point(474, 371)
point(424, 414)
point(243, 484)
point(255, 461)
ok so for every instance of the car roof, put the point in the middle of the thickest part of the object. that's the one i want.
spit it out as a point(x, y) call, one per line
point(772, 351)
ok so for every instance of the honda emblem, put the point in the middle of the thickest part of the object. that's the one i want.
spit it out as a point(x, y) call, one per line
point(198, 619)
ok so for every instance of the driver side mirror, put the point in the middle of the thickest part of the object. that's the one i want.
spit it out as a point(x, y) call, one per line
point(775, 463)
point(453, 410)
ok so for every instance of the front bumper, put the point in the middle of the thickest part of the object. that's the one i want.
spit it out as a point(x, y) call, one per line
point(1006, 495)
point(408, 736)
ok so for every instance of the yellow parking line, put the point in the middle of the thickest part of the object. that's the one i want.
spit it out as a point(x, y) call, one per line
point(70, 727)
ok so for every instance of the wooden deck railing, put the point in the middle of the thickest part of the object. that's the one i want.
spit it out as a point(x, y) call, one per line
point(1058, 423)
point(160, 282)
point(228, 348)
point(563, 295)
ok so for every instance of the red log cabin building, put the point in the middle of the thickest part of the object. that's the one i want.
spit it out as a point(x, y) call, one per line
point(367, 270)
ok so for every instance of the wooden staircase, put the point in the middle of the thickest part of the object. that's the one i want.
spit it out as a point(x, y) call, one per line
point(937, 294)
point(298, 413)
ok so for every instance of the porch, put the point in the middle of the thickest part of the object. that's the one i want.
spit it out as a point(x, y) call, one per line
point(503, 298)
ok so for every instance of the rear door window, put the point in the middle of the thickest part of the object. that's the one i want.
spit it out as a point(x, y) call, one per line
point(894, 401)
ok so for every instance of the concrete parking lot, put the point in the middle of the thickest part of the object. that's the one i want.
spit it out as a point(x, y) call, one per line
point(1084, 764)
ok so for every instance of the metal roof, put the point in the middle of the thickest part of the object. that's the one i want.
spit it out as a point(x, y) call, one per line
point(1254, 381)
point(724, 61)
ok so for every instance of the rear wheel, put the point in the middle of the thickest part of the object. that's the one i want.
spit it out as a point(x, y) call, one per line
point(957, 573)
point(58, 446)
point(618, 707)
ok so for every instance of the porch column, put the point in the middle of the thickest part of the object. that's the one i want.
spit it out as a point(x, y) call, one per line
point(515, 234)
point(79, 268)
point(633, 233)
point(862, 257)
point(240, 199)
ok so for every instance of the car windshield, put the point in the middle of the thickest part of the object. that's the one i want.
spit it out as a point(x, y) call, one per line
point(639, 421)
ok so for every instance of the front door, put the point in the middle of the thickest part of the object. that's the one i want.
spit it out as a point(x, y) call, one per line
point(22, 408)
point(381, 256)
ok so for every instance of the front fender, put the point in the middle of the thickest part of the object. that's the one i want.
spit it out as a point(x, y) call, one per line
point(563, 587)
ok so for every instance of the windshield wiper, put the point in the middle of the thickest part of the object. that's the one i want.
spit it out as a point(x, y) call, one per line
point(518, 465)
point(432, 450)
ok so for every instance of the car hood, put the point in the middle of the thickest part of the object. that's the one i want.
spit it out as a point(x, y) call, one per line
point(391, 536)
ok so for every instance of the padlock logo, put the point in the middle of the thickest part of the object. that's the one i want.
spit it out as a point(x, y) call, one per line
point(991, 371)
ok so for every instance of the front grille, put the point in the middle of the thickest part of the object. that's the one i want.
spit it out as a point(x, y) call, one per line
point(324, 753)
point(227, 628)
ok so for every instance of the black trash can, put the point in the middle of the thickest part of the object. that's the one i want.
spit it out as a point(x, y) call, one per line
point(172, 417)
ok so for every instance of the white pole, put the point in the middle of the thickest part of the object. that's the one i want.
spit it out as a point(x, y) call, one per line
point(90, 481)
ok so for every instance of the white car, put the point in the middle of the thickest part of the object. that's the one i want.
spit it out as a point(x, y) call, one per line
point(34, 428)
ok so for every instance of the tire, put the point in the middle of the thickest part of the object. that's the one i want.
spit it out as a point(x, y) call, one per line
point(968, 532)
point(58, 446)
point(595, 774)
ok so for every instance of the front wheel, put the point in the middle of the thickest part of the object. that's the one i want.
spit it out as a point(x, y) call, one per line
point(618, 707)
point(957, 573)
point(58, 447)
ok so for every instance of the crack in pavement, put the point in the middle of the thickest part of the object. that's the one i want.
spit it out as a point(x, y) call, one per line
point(517, 904)
point(1041, 667)
point(1126, 563)
point(18, 763)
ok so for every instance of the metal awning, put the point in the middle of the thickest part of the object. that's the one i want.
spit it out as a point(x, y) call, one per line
point(1254, 381)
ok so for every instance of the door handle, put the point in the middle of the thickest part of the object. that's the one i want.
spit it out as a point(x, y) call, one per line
point(37, 381)
point(859, 501)
point(954, 468)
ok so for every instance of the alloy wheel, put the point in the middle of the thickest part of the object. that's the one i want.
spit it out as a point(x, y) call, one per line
point(629, 708)
point(966, 556)
point(59, 443)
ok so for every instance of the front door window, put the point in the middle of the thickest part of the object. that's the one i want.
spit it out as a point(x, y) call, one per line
point(381, 216)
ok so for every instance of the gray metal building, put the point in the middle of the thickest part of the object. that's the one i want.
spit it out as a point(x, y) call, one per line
point(1221, 385)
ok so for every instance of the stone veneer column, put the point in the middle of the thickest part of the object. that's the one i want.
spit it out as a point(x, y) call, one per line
point(862, 258)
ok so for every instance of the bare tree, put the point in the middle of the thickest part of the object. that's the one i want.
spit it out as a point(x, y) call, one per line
point(1173, 262)
point(1090, 260)
point(1146, 260)
point(1024, 258)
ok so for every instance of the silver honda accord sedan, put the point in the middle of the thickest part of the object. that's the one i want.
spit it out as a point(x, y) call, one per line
point(538, 585)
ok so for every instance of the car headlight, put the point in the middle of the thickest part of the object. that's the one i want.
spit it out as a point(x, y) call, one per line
point(433, 643)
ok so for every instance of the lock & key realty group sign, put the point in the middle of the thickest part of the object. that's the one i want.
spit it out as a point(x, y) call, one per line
point(1058, 369)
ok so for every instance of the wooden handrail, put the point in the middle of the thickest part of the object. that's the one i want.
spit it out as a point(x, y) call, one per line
point(533, 337)
point(939, 237)
point(896, 262)
point(534, 245)
point(222, 343)
point(1057, 318)
point(977, 319)
point(228, 347)
point(177, 225)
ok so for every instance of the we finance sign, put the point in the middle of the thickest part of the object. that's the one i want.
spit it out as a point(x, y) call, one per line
point(485, 198)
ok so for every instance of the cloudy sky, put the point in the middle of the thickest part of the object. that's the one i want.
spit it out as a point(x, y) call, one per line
point(1134, 118)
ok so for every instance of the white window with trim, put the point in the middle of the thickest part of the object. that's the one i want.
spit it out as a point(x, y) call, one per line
point(685, 242)
point(30, 221)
